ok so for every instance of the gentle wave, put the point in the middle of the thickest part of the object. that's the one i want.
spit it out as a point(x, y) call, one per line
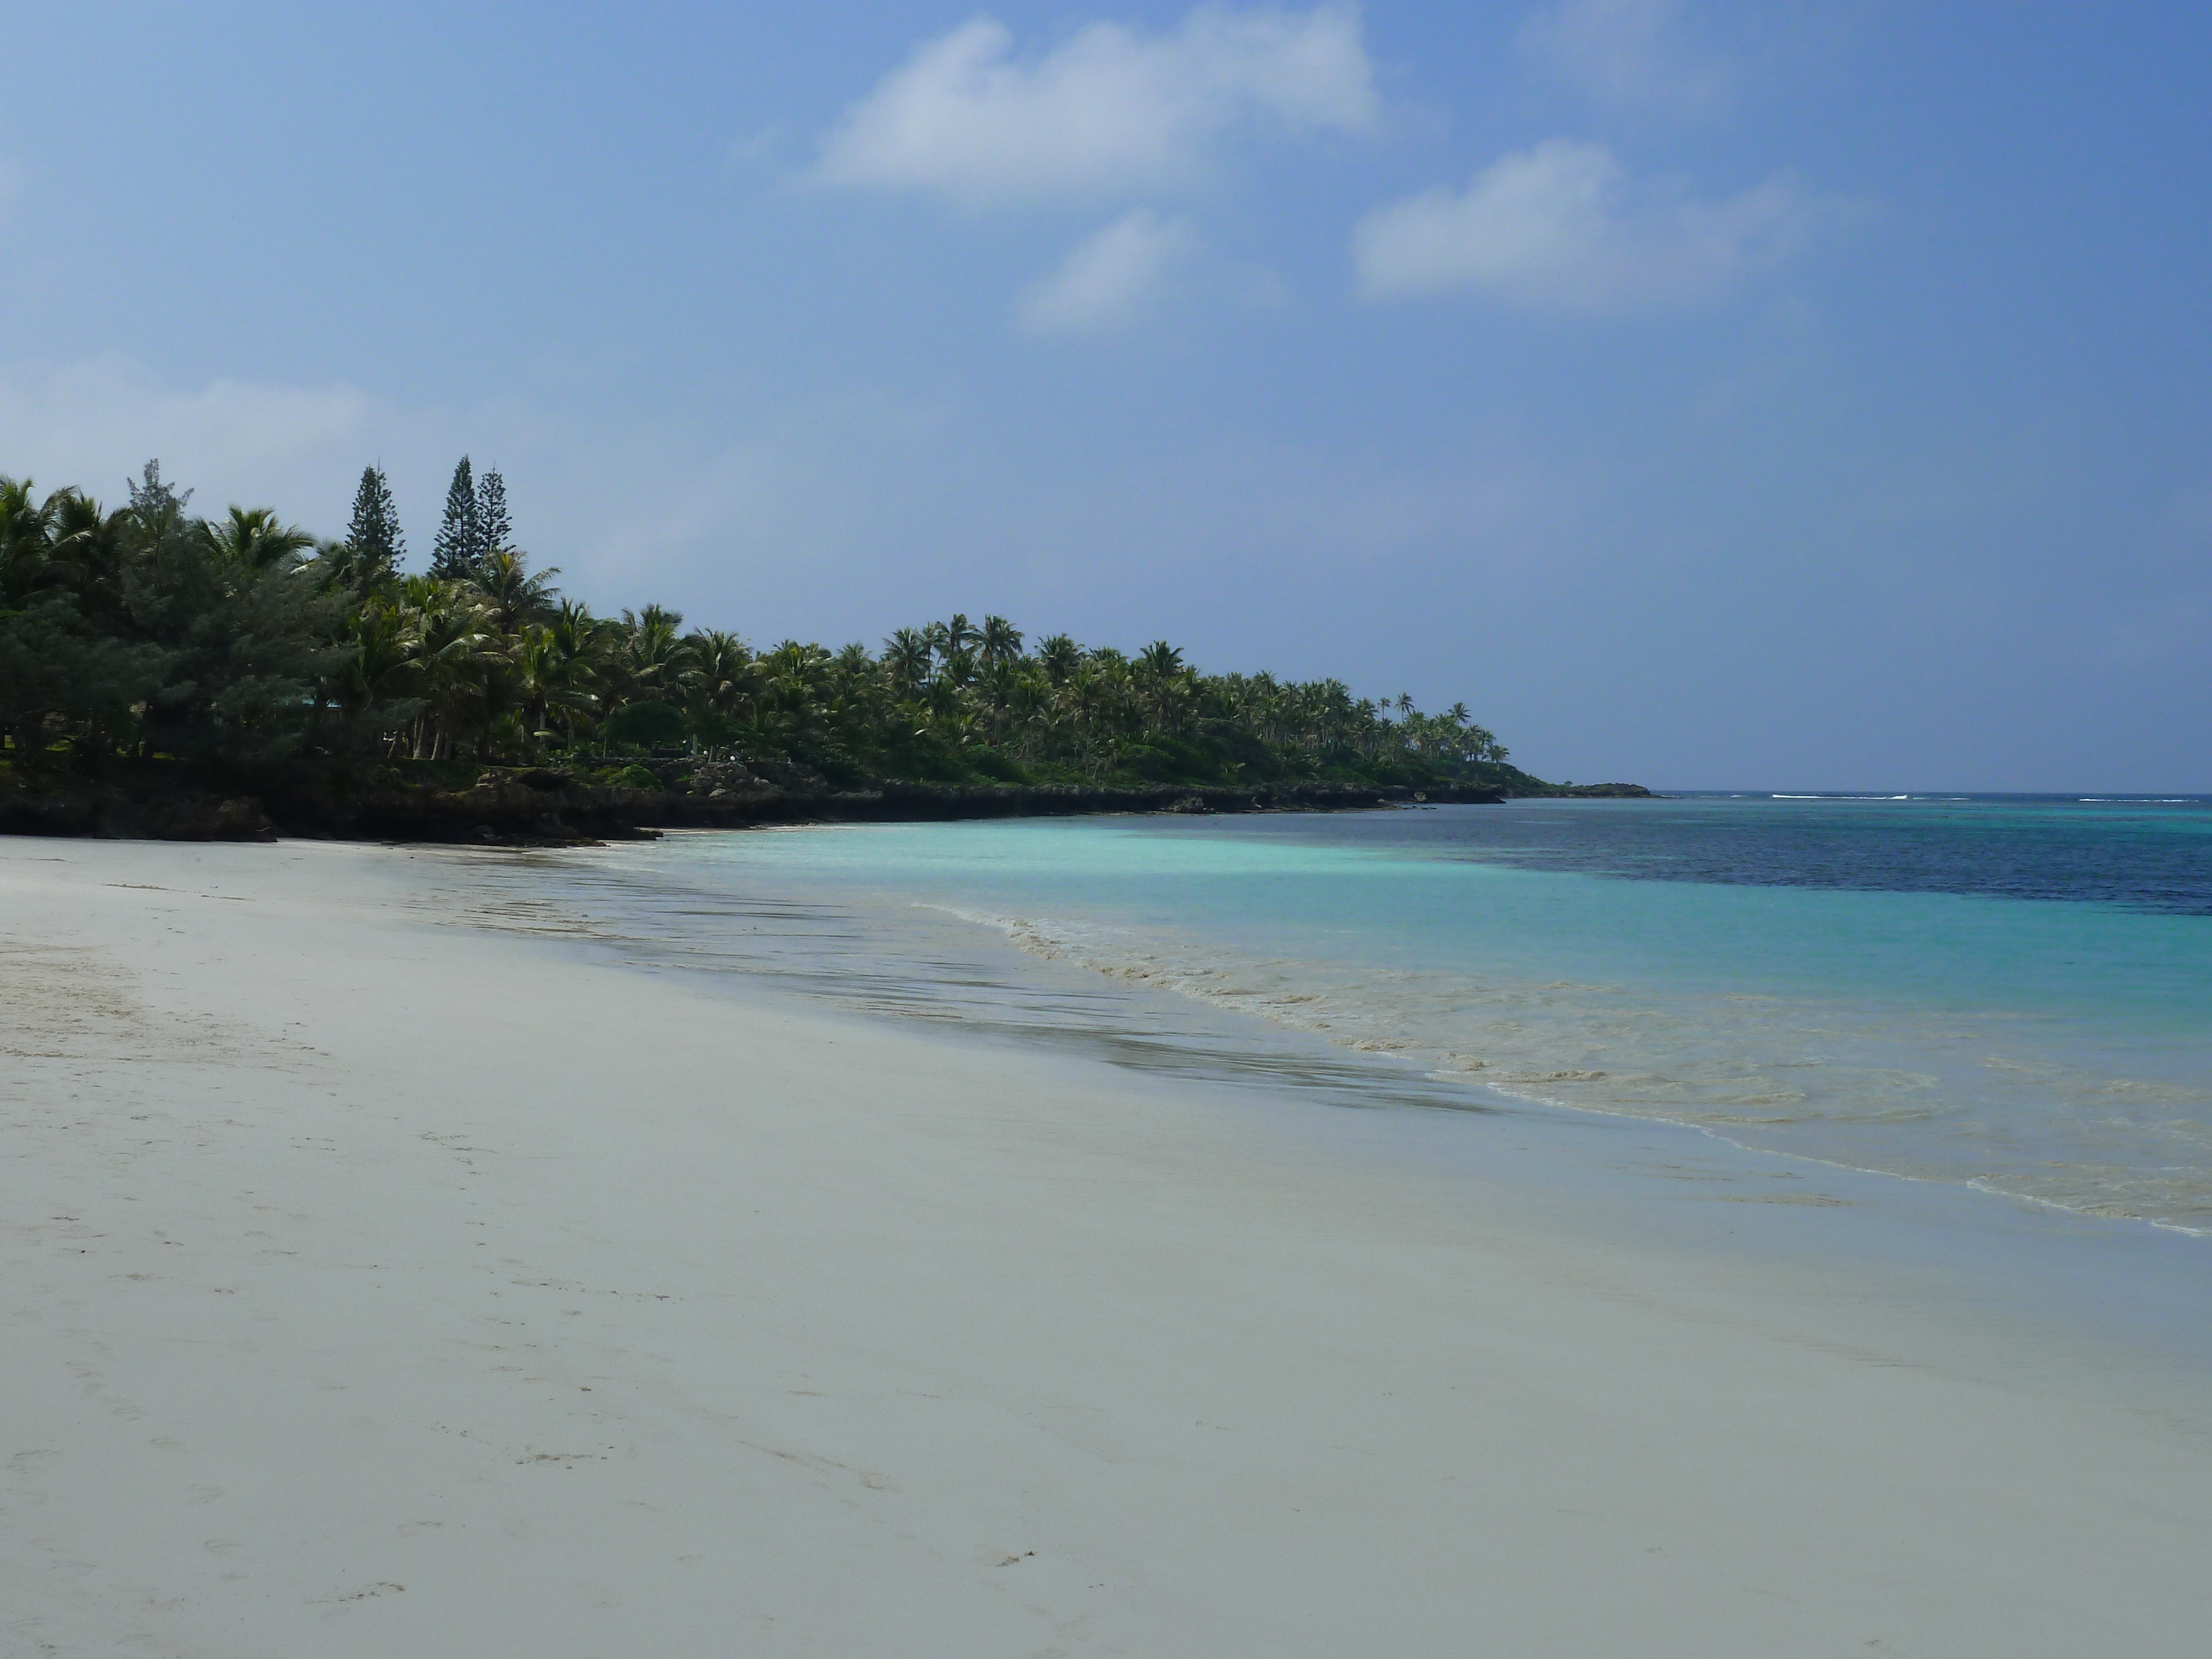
point(1775, 1073)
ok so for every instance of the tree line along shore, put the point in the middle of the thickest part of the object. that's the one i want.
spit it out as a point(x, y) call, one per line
point(171, 675)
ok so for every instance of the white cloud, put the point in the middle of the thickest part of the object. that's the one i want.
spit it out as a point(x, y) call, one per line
point(1633, 54)
point(1109, 276)
point(1108, 112)
point(1563, 227)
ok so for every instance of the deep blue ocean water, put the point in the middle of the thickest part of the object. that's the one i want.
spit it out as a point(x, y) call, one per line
point(2009, 993)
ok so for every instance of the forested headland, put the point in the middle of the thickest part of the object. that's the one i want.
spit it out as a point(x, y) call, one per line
point(162, 672)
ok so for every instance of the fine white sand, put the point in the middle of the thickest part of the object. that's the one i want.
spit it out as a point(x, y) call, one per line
point(374, 1285)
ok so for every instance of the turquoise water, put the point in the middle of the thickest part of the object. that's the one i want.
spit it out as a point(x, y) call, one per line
point(2014, 994)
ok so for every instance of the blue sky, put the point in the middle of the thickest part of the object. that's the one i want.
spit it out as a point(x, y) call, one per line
point(1709, 394)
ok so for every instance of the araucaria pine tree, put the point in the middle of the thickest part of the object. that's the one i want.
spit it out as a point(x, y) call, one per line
point(458, 554)
point(494, 532)
point(372, 535)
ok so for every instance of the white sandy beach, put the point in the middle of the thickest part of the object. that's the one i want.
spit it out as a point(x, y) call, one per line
point(374, 1285)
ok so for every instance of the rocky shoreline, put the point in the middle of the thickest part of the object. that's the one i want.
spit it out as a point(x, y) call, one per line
point(538, 806)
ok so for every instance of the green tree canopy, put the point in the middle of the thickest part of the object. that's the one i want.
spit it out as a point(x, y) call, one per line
point(149, 631)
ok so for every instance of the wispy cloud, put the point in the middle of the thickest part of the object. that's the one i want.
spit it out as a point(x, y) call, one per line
point(1110, 277)
point(94, 422)
point(1110, 112)
point(1629, 54)
point(1563, 227)
point(1633, 54)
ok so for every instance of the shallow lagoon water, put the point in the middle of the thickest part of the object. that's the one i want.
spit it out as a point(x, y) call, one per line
point(2015, 995)
point(1894, 986)
point(1198, 953)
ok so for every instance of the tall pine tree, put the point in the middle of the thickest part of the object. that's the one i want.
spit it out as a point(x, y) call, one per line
point(495, 533)
point(458, 550)
point(372, 535)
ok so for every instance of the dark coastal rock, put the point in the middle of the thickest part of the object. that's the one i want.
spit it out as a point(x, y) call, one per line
point(115, 812)
point(723, 779)
point(540, 806)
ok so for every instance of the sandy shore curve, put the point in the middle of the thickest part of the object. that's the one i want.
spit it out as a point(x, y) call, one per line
point(371, 1284)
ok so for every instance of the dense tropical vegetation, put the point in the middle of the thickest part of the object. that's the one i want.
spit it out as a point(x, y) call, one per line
point(241, 642)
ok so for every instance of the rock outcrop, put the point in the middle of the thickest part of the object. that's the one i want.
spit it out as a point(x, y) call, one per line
point(547, 807)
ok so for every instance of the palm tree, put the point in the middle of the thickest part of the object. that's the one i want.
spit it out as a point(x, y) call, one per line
point(859, 709)
point(1030, 703)
point(254, 538)
point(27, 532)
point(1159, 659)
point(581, 634)
point(554, 682)
point(1158, 673)
point(1059, 655)
point(794, 695)
point(456, 648)
point(1001, 641)
point(950, 715)
point(518, 594)
point(958, 667)
point(655, 660)
point(385, 662)
point(728, 671)
point(906, 657)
